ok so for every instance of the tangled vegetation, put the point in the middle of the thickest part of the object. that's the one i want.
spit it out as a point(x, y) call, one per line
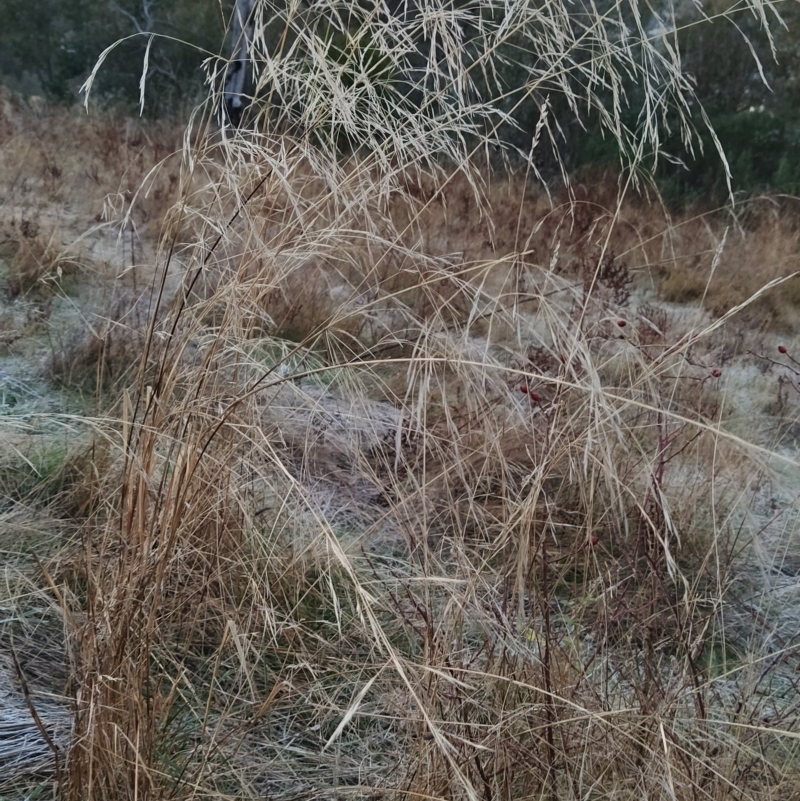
point(380, 471)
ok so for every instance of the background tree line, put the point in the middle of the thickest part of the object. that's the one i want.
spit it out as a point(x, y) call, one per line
point(756, 118)
point(47, 47)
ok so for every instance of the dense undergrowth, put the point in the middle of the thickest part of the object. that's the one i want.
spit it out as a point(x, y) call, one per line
point(374, 478)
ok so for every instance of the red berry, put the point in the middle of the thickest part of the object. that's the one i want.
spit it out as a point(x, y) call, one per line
point(594, 540)
point(524, 389)
point(535, 397)
point(781, 348)
point(621, 323)
point(716, 372)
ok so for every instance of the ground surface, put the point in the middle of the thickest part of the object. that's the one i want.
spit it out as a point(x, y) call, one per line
point(356, 472)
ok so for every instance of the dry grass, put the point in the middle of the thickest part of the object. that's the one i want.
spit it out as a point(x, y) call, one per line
point(365, 489)
point(760, 245)
point(83, 204)
point(418, 487)
point(444, 515)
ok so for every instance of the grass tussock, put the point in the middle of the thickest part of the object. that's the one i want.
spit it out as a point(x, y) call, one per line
point(422, 524)
point(408, 481)
point(406, 519)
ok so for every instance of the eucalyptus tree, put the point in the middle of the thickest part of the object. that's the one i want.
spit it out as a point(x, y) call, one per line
point(242, 29)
